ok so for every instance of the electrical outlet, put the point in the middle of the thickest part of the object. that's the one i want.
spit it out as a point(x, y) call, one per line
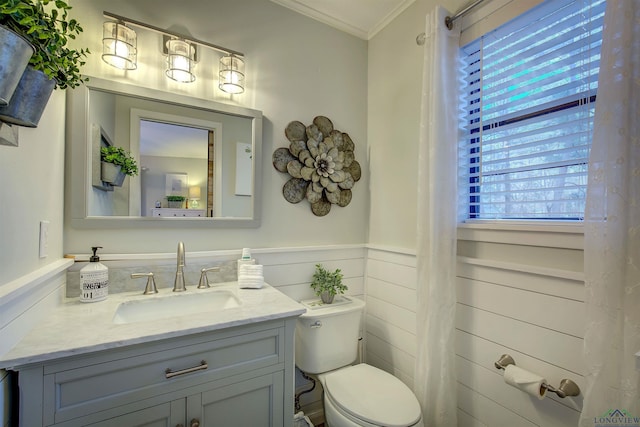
point(44, 239)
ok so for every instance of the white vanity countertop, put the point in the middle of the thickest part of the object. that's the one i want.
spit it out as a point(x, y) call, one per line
point(75, 328)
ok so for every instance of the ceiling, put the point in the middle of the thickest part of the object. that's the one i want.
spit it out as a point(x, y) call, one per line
point(361, 18)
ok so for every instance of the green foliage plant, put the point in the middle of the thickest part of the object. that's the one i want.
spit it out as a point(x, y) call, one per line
point(327, 281)
point(119, 156)
point(45, 24)
point(176, 198)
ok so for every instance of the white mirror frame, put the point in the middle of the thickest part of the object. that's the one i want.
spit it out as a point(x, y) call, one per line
point(78, 154)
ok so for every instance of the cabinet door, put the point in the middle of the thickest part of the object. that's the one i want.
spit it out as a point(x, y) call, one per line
point(169, 414)
point(257, 402)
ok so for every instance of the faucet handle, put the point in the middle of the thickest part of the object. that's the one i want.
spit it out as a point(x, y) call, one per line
point(150, 289)
point(204, 280)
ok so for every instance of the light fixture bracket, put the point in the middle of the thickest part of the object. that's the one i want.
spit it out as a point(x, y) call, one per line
point(172, 33)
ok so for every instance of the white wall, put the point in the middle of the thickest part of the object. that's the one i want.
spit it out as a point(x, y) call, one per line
point(297, 69)
point(395, 90)
point(31, 191)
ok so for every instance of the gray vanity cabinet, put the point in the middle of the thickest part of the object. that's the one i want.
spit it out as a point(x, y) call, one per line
point(241, 376)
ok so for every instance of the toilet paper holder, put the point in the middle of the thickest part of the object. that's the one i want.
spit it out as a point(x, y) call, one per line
point(566, 387)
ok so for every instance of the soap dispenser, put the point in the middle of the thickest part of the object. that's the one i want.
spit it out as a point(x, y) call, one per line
point(94, 279)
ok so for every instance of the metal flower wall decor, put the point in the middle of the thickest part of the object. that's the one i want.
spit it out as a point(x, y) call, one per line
point(321, 163)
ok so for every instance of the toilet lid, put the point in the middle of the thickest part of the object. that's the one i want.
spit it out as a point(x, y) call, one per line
point(373, 395)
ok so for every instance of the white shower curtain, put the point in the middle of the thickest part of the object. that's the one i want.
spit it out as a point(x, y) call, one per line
point(612, 223)
point(435, 381)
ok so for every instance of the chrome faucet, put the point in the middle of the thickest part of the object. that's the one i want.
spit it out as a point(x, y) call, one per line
point(178, 284)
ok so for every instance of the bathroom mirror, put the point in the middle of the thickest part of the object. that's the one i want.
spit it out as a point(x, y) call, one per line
point(204, 151)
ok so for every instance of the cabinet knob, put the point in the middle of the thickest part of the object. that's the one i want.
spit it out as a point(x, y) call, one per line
point(195, 422)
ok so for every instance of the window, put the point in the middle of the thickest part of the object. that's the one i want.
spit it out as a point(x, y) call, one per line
point(529, 99)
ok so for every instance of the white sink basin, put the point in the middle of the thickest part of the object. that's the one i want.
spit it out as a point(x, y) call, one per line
point(174, 305)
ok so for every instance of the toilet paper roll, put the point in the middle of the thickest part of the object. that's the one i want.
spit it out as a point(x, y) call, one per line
point(530, 383)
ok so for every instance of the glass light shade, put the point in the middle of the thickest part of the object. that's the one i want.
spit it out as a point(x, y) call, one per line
point(180, 61)
point(119, 46)
point(231, 75)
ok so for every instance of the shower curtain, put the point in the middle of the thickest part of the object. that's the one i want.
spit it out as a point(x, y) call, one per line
point(612, 224)
point(435, 382)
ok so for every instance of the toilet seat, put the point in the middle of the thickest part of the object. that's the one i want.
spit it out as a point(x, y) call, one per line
point(372, 395)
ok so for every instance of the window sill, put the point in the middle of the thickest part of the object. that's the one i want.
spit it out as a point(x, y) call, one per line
point(553, 234)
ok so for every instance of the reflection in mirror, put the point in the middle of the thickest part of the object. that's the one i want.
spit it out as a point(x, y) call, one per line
point(202, 151)
point(167, 149)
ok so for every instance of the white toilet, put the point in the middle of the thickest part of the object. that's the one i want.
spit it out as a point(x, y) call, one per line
point(359, 395)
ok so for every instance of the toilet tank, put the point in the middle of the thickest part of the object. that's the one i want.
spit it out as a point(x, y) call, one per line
point(327, 334)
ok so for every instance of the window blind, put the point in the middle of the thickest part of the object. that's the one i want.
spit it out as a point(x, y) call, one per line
point(529, 98)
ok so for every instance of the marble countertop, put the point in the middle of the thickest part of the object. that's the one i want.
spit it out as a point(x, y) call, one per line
point(76, 328)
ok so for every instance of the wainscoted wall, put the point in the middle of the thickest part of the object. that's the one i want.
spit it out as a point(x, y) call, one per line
point(519, 292)
point(521, 299)
point(524, 299)
point(390, 320)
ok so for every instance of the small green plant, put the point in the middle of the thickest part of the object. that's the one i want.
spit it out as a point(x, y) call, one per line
point(119, 156)
point(327, 282)
point(49, 31)
point(176, 198)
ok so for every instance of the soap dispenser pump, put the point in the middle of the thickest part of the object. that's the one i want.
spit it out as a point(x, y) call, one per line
point(94, 279)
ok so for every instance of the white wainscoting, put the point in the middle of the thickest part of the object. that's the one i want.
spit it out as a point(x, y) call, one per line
point(290, 269)
point(531, 311)
point(390, 320)
point(535, 314)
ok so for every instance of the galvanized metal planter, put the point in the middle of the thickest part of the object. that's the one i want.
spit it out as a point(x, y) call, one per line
point(15, 53)
point(29, 99)
point(112, 174)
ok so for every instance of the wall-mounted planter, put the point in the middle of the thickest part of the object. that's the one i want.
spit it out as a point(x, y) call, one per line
point(112, 174)
point(15, 53)
point(29, 99)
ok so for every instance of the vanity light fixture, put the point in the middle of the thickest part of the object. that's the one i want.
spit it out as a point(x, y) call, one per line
point(119, 50)
point(231, 75)
point(180, 60)
point(119, 45)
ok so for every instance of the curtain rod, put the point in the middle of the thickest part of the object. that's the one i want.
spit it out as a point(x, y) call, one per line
point(449, 20)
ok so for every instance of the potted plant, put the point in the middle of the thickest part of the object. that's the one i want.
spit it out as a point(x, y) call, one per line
point(116, 163)
point(53, 64)
point(327, 284)
point(175, 201)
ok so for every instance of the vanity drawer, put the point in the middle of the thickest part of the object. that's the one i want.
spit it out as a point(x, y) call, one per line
point(92, 384)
